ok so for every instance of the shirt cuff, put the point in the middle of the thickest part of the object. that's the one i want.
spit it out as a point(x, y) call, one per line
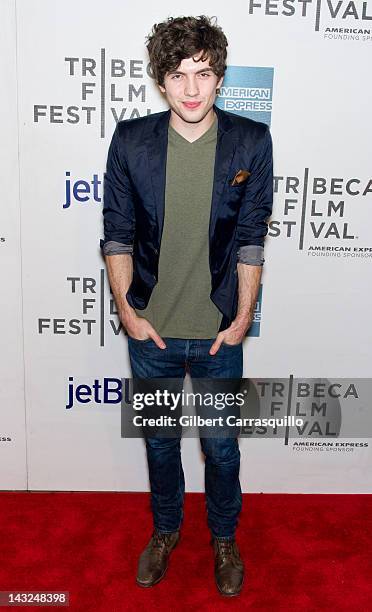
point(251, 254)
point(116, 248)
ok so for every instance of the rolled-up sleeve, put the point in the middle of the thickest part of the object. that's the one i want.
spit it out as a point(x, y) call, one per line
point(118, 202)
point(115, 248)
point(256, 206)
point(251, 254)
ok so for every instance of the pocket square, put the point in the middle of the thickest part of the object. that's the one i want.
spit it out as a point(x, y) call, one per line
point(239, 177)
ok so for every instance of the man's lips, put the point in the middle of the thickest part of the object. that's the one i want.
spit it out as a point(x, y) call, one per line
point(191, 104)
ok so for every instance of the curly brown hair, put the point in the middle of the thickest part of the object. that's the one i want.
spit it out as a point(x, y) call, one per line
point(179, 38)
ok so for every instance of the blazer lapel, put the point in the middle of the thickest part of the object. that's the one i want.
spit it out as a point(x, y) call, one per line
point(225, 149)
point(157, 143)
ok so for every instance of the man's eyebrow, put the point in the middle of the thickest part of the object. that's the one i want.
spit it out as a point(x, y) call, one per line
point(197, 72)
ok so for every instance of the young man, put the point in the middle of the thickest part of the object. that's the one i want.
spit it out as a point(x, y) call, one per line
point(187, 195)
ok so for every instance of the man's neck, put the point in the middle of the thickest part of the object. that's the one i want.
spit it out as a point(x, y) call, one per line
point(192, 131)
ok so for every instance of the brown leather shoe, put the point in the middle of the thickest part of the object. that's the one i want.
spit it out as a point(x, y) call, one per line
point(228, 567)
point(153, 561)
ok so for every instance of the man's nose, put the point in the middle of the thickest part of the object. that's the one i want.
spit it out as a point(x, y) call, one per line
point(191, 86)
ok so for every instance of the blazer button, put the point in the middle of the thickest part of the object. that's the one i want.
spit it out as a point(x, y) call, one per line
point(156, 251)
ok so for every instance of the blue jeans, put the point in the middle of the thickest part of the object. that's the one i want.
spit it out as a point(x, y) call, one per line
point(222, 455)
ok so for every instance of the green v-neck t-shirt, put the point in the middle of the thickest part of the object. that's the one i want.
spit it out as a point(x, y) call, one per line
point(180, 304)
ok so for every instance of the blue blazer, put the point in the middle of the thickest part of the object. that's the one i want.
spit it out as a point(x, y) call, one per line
point(134, 196)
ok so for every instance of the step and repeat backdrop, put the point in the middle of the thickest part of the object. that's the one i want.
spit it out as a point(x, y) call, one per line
point(69, 72)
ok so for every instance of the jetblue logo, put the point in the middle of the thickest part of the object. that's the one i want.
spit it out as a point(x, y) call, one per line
point(247, 91)
point(105, 391)
point(80, 191)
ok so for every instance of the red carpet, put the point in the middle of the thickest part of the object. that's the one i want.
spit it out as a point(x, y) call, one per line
point(302, 552)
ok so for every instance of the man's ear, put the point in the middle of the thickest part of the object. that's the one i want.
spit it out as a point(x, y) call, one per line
point(162, 89)
point(219, 83)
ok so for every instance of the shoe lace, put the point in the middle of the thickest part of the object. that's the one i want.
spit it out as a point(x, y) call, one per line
point(225, 548)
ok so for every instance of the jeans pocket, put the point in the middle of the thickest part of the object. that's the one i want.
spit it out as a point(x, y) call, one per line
point(231, 345)
point(139, 341)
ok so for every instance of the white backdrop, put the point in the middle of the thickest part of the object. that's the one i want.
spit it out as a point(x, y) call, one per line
point(68, 71)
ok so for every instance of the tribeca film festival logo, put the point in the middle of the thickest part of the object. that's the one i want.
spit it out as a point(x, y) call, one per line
point(303, 408)
point(335, 19)
point(320, 215)
point(98, 316)
point(247, 91)
point(105, 88)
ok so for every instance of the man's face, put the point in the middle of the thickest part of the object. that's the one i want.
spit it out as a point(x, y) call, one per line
point(191, 89)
